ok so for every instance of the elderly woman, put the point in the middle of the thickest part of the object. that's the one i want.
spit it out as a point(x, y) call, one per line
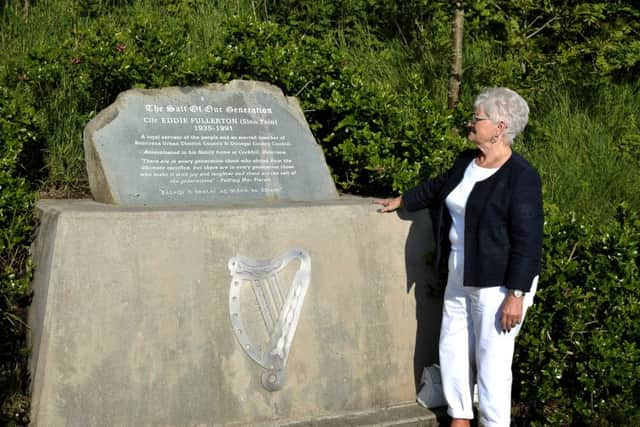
point(488, 233)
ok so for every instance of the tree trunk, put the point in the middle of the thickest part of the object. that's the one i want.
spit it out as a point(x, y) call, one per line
point(455, 77)
point(26, 8)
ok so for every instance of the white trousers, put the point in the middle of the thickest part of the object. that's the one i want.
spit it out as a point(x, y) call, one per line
point(475, 350)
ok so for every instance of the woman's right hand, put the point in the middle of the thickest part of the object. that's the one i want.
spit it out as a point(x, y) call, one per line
point(388, 205)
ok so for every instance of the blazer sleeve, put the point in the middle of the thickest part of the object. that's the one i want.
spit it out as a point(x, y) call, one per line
point(526, 223)
point(429, 193)
point(425, 195)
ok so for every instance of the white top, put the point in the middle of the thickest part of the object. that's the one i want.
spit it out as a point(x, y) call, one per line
point(457, 201)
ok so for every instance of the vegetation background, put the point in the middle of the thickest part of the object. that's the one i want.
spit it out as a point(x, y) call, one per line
point(372, 76)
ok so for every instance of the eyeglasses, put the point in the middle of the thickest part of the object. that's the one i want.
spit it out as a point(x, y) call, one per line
point(477, 119)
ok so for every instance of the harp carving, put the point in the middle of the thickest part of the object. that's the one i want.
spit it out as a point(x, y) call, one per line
point(265, 329)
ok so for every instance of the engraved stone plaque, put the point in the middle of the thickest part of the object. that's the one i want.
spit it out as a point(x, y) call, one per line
point(243, 141)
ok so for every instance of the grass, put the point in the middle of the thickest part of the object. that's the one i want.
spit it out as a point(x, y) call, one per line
point(65, 155)
point(580, 154)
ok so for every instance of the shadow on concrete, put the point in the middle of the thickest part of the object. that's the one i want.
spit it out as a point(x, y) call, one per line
point(419, 247)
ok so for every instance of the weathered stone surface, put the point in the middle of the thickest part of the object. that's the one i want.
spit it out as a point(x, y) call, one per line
point(243, 141)
point(130, 324)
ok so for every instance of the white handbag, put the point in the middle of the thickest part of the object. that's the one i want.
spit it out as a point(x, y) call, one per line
point(431, 394)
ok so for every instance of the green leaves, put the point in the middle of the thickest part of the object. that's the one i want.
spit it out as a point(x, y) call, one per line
point(594, 39)
point(580, 350)
point(17, 132)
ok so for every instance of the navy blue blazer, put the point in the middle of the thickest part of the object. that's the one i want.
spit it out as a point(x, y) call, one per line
point(503, 223)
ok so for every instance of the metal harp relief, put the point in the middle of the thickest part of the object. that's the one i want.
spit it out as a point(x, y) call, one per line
point(272, 292)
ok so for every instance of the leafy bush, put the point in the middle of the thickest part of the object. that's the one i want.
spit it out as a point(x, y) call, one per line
point(578, 359)
point(381, 141)
point(18, 130)
point(377, 140)
point(588, 40)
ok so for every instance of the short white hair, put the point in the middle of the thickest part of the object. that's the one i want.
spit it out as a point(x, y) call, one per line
point(501, 104)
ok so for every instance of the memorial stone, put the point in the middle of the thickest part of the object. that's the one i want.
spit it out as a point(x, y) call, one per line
point(243, 141)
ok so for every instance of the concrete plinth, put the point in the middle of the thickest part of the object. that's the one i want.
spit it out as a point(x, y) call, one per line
point(131, 326)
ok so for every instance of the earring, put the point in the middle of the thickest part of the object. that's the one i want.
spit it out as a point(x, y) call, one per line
point(494, 139)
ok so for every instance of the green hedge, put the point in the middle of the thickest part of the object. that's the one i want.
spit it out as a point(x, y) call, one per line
point(18, 131)
point(578, 358)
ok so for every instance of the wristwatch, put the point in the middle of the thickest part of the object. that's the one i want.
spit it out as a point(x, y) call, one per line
point(516, 293)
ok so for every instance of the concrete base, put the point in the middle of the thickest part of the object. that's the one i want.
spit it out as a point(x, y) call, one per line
point(405, 415)
point(131, 327)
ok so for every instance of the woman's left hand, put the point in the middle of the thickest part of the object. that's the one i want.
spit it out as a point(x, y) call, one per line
point(511, 312)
